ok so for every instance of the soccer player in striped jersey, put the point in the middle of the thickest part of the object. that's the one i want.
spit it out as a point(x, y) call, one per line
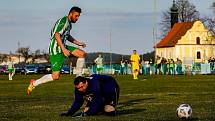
point(11, 69)
point(58, 50)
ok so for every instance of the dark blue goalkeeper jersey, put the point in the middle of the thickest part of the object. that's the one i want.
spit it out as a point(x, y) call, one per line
point(101, 90)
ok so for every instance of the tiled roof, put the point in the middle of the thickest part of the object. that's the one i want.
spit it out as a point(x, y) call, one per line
point(177, 31)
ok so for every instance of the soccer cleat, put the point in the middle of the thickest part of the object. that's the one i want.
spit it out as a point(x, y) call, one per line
point(30, 87)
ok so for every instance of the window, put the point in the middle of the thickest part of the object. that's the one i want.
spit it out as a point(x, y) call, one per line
point(198, 55)
point(198, 40)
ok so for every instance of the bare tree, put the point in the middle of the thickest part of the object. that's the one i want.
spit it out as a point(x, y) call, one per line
point(45, 55)
point(35, 55)
point(3, 57)
point(213, 7)
point(165, 24)
point(186, 12)
point(25, 52)
point(209, 22)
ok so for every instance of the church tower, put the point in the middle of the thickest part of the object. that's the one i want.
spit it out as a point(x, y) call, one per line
point(174, 14)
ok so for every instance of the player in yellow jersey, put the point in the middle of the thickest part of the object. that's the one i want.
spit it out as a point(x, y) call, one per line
point(135, 59)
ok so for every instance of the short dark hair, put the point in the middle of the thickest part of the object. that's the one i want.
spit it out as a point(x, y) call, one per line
point(79, 79)
point(76, 9)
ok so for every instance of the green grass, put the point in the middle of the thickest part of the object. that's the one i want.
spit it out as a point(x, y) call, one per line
point(154, 99)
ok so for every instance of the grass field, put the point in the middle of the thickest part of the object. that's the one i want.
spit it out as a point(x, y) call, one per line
point(154, 99)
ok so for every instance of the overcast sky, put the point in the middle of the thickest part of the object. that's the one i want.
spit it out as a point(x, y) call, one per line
point(130, 23)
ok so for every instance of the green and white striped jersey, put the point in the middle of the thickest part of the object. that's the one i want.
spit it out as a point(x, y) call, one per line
point(10, 65)
point(63, 27)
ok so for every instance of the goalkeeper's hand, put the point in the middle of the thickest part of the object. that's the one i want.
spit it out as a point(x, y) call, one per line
point(83, 114)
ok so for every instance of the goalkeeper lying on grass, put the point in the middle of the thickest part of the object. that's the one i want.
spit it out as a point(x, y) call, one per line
point(101, 93)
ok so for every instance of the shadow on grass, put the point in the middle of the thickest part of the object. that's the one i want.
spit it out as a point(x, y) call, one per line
point(132, 102)
point(129, 111)
point(189, 119)
point(125, 108)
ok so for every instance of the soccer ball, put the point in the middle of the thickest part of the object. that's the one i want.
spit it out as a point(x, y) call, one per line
point(184, 111)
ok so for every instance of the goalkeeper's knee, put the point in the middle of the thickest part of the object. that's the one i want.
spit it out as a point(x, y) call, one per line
point(110, 110)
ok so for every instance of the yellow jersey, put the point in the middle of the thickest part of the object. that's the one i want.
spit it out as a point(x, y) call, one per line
point(135, 59)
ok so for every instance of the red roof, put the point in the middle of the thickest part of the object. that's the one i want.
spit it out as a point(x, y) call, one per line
point(177, 31)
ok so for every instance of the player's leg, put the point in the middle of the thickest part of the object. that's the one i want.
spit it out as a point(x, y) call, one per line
point(47, 78)
point(134, 71)
point(88, 105)
point(13, 73)
point(111, 101)
point(10, 74)
point(80, 54)
point(56, 65)
point(137, 71)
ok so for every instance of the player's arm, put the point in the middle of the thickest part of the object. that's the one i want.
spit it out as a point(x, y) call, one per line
point(73, 40)
point(59, 42)
point(96, 102)
point(96, 60)
point(132, 61)
point(76, 104)
point(138, 57)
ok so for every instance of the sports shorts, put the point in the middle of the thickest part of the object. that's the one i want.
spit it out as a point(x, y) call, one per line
point(11, 70)
point(57, 60)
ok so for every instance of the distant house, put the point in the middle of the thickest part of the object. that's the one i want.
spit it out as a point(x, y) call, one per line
point(16, 59)
point(188, 41)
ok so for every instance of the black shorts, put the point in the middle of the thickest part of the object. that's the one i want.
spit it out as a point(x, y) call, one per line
point(111, 98)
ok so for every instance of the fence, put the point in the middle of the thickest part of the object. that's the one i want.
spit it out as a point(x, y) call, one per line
point(176, 69)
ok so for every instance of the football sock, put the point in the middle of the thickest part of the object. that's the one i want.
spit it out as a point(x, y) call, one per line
point(13, 74)
point(10, 76)
point(134, 75)
point(79, 66)
point(137, 74)
point(44, 79)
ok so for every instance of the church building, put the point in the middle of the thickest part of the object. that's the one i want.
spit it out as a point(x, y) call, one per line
point(187, 41)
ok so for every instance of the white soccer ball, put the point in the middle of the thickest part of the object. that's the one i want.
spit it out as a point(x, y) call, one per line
point(184, 111)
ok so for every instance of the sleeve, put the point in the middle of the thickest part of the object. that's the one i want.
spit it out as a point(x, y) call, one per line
point(131, 59)
point(60, 25)
point(96, 102)
point(95, 106)
point(138, 57)
point(77, 103)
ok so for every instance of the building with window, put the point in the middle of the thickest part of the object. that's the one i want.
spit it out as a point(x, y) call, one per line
point(188, 41)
